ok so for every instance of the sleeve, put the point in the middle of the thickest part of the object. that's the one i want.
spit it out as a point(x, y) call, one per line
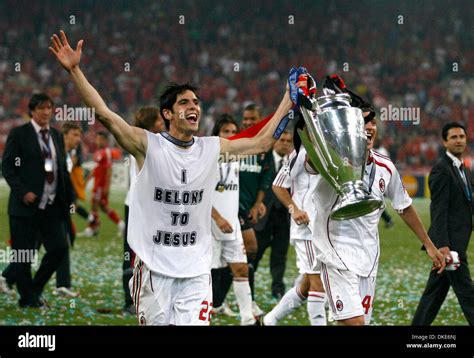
point(439, 188)
point(396, 192)
point(9, 165)
point(283, 178)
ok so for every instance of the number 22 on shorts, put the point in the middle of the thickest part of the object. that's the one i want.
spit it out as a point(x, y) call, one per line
point(206, 311)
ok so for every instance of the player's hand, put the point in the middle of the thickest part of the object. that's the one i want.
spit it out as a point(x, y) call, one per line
point(262, 210)
point(447, 253)
point(66, 56)
point(301, 86)
point(29, 198)
point(253, 214)
point(438, 258)
point(300, 216)
point(224, 225)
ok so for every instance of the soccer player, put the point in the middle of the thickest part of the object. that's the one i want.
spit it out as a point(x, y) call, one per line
point(171, 198)
point(102, 174)
point(255, 177)
point(72, 140)
point(228, 245)
point(301, 207)
point(349, 249)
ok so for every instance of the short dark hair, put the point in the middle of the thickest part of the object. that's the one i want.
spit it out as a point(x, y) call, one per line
point(103, 134)
point(448, 126)
point(69, 126)
point(253, 107)
point(36, 100)
point(221, 121)
point(169, 95)
point(146, 117)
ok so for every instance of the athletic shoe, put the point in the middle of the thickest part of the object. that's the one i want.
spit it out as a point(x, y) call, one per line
point(225, 310)
point(256, 311)
point(64, 291)
point(129, 309)
point(121, 228)
point(88, 232)
point(4, 287)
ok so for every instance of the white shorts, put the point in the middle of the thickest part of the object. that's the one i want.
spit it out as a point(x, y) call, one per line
point(226, 252)
point(305, 257)
point(162, 300)
point(349, 295)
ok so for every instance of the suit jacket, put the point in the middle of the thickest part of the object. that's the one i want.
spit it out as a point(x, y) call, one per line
point(451, 211)
point(23, 169)
point(270, 200)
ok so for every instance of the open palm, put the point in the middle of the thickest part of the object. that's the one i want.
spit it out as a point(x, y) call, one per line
point(68, 57)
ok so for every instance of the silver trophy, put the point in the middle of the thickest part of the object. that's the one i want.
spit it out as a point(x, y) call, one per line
point(336, 143)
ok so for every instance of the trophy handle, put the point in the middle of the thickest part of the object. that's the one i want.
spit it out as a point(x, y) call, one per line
point(315, 159)
point(322, 153)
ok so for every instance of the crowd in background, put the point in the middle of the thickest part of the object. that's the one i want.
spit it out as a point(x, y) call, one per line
point(399, 54)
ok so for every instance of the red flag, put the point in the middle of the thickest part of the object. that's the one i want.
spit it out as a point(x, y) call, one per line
point(252, 131)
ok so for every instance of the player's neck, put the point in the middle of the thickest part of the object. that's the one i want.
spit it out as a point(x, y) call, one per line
point(179, 138)
point(180, 135)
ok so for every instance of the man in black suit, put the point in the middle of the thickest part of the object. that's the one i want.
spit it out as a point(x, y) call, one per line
point(451, 226)
point(34, 166)
point(273, 229)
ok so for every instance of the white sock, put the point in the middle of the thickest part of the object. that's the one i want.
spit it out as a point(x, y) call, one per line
point(291, 300)
point(244, 300)
point(316, 308)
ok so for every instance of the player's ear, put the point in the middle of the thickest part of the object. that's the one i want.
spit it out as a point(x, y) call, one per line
point(168, 114)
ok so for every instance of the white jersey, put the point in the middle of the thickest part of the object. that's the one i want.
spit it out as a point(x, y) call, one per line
point(132, 174)
point(294, 175)
point(170, 206)
point(354, 244)
point(226, 202)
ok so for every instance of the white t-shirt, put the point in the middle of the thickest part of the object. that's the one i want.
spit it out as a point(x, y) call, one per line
point(294, 175)
point(132, 174)
point(227, 201)
point(354, 244)
point(170, 206)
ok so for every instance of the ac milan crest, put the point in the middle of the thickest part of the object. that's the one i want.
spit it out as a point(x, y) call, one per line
point(382, 185)
point(142, 319)
point(339, 305)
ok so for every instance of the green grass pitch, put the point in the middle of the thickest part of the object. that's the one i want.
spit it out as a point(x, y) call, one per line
point(97, 274)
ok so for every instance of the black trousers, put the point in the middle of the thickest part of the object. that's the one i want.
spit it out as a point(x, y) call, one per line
point(46, 228)
point(436, 290)
point(275, 234)
point(127, 268)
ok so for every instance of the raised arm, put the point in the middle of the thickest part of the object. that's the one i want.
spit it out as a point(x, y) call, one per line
point(411, 218)
point(130, 138)
point(264, 140)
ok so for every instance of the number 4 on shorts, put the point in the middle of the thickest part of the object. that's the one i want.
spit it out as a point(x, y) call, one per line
point(366, 303)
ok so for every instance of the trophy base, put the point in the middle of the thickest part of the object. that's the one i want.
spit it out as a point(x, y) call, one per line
point(354, 203)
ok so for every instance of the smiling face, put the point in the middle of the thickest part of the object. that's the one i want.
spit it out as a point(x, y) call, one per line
point(72, 138)
point(456, 142)
point(250, 118)
point(371, 130)
point(228, 130)
point(184, 116)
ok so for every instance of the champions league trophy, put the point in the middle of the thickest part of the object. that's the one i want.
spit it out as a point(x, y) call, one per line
point(336, 143)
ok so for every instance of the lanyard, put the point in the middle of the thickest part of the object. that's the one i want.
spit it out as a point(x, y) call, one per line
point(223, 181)
point(371, 178)
point(45, 145)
